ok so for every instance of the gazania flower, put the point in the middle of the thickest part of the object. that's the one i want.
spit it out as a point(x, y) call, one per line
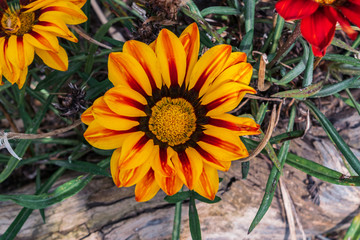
point(30, 27)
point(167, 114)
point(319, 18)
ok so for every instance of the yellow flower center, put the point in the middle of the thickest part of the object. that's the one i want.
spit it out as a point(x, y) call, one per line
point(13, 22)
point(172, 120)
point(325, 2)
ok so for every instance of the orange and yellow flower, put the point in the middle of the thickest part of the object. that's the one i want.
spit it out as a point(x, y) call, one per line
point(30, 27)
point(166, 115)
point(319, 18)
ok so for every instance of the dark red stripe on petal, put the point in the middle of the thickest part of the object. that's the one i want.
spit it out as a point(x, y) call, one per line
point(141, 143)
point(163, 162)
point(208, 156)
point(228, 146)
point(128, 101)
point(46, 24)
point(41, 39)
point(171, 60)
point(231, 125)
point(186, 167)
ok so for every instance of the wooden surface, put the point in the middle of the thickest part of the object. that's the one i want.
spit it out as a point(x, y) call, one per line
point(101, 211)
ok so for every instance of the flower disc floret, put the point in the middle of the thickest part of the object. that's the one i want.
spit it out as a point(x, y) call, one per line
point(172, 120)
point(325, 2)
point(18, 23)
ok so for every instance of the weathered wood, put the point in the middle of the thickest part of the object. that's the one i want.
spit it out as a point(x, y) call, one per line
point(101, 211)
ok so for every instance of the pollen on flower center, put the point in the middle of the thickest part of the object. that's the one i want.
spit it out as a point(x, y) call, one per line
point(172, 120)
point(13, 22)
point(325, 2)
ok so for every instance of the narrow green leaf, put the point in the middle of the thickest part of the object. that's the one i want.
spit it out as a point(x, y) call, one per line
point(205, 200)
point(335, 137)
point(337, 42)
point(300, 93)
point(249, 14)
point(194, 222)
point(354, 230)
point(177, 221)
point(245, 167)
point(277, 33)
point(247, 42)
point(308, 74)
point(342, 59)
point(178, 197)
point(329, 90)
point(81, 166)
point(223, 10)
point(286, 136)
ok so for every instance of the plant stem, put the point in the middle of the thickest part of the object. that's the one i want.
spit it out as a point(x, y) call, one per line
point(177, 221)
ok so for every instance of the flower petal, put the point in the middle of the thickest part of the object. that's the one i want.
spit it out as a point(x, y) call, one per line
point(147, 59)
point(147, 188)
point(125, 101)
point(296, 9)
point(56, 60)
point(162, 162)
point(172, 58)
point(136, 150)
point(22, 78)
point(209, 67)
point(19, 52)
point(240, 72)
point(208, 183)
point(124, 70)
point(319, 28)
point(223, 145)
point(104, 138)
point(48, 23)
point(108, 119)
point(170, 185)
point(224, 98)
point(235, 58)
point(126, 177)
point(190, 39)
point(240, 125)
point(188, 167)
point(351, 10)
point(42, 40)
point(211, 160)
point(87, 116)
point(67, 11)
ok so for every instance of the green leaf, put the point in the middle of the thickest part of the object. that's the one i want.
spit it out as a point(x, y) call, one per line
point(337, 42)
point(205, 200)
point(44, 200)
point(354, 230)
point(247, 42)
point(194, 222)
point(342, 59)
point(277, 33)
point(249, 14)
point(178, 197)
point(329, 90)
point(245, 167)
point(300, 93)
point(81, 166)
point(223, 10)
point(309, 70)
point(335, 137)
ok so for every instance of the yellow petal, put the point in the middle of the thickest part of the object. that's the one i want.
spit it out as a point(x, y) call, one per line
point(56, 60)
point(240, 72)
point(125, 101)
point(108, 119)
point(235, 58)
point(172, 58)
point(208, 183)
point(22, 78)
point(208, 68)
point(67, 11)
point(48, 23)
point(206, 157)
point(124, 70)
point(136, 150)
point(42, 40)
point(104, 138)
point(170, 185)
point(224, 98)
point(240, 125)
point(147, 59)
point(114, 167)
point(147, 188)
point(87, 117)
point(223, 145)
point(190, 39)
point(162, 162)
point(188, 167)
point(19, 52)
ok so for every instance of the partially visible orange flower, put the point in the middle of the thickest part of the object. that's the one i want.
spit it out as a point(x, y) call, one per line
point(167, 114)
point(319, 18)
point(30, 27)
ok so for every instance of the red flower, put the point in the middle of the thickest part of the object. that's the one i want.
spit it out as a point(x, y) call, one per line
point(319, 18)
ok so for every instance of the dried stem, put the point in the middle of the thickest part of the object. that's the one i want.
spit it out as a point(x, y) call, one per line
point(12, 135)
point(295, 34)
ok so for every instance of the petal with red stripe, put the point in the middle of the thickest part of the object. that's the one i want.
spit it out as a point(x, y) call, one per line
point(147, 188)
point(240, 72)
point(235, 58)
point(208, 183)
point(240, 125)
point(223, 145)
point(125, 101)
point(211, 160)
point(125, 70)
point(87, 116)
point(172, 58)
point(136, 150)
point(209, 67)
point(56, 60)
point(42, 40)
point(170, 185)
point(296, 9)
point(67, 11)
point(147, 59)
point(104, 138)
point(108, 119)
point(163, 161)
